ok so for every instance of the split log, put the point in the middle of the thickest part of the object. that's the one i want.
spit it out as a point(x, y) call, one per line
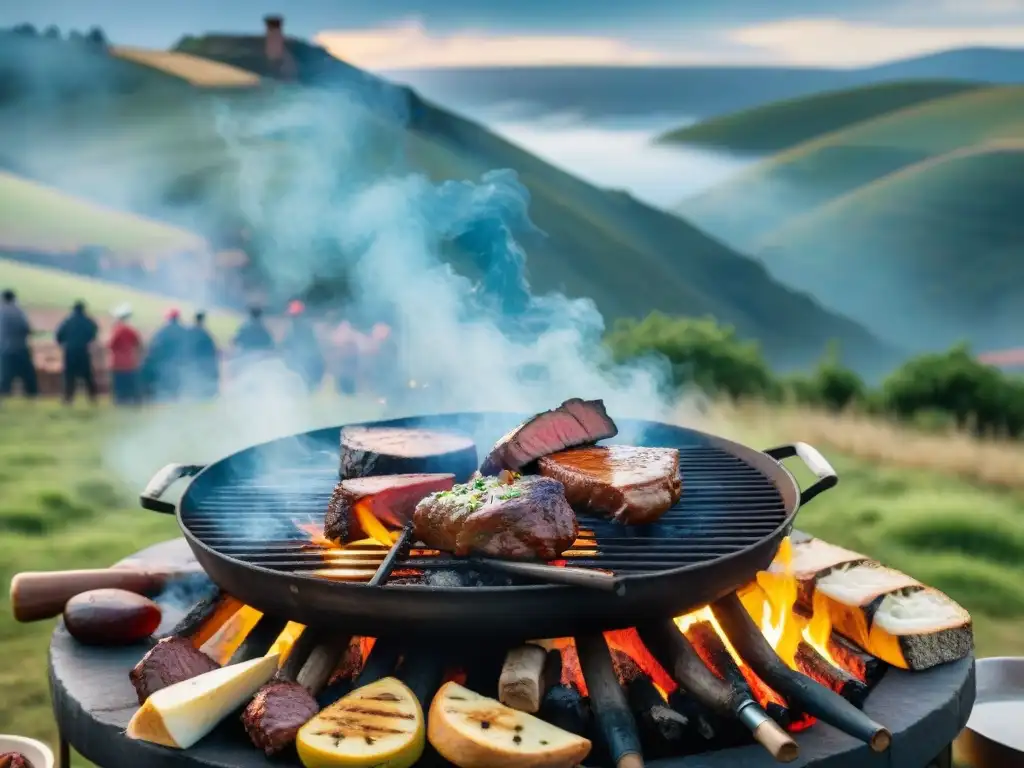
point(894, 617)
point(663, 730)
point(886, 613)
point(731, 698)
point(796, 688)
point(528, 672)
point(608, 702)
point(206, 617)
point(858, 662)
point(817, 667)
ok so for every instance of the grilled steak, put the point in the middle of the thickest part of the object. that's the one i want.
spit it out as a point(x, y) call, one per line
point(575, 422)
point(367, 451)
point(633, 485)
point(170, 661)
point(391, 499)
point(276, 713)
point(528, 518)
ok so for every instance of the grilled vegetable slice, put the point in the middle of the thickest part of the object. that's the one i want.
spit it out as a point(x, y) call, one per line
point(379, 725)
point(181, 714)
point(473, 731)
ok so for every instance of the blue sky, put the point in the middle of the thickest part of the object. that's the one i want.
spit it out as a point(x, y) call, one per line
point(395, 33)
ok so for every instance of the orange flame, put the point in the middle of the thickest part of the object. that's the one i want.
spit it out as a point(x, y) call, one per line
point(222, 646)
point(286, 641)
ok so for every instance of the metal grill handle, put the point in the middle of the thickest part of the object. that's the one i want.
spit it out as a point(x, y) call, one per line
point(812, 458)
point(161, 481)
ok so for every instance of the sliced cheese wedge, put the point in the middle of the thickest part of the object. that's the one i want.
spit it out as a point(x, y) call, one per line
point(473, 731)
point(379, 725)
point(180, 715)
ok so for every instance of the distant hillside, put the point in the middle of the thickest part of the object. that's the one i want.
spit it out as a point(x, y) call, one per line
point(193, 69)
point(34, 217)
point(697, 93)
point(764, 197)
point(47, 294)
point(170, 152)
point(784, 124)
point(927, 256)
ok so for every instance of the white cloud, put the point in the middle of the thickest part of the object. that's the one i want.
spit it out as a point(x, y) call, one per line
point(410, 46)
point(799, 42)
point(833, 42)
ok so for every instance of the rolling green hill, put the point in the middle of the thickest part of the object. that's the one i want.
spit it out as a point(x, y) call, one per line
point(168, 155)
point(42, 292)
point(764, 197)
point(927, 256)
point(784, 124)
point(38, 218)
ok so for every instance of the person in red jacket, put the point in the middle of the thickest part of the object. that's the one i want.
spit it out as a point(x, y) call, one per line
point(125, 347)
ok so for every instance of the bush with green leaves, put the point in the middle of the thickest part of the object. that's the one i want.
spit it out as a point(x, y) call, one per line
point(933, 391)
point(700, 352)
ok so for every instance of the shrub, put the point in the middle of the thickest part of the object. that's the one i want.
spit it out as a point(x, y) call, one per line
point(700, 352)
point(954, 382)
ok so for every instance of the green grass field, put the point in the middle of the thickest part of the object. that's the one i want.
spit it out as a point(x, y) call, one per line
point(39, 218)
point(67, 500)
point(764, 197)
point(781, 125)
point(926, 256)
point(44, 289)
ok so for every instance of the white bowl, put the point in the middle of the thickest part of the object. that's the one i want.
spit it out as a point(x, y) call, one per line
point(34, 751)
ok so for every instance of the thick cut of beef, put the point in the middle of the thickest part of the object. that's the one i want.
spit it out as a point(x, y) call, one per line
point(367, 451)
point(633, 485)
point(276, 713)
point(575, 422)
point(527, 518)
point(389, 499)
point(170, 661)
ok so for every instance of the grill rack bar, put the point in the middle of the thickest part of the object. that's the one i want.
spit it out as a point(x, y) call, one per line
point(726, 505)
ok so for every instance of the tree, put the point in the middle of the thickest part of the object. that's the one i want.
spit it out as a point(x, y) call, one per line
point(95, 36)
point(52, 32)
point(954, 382)
point(25, 30)
point(700, 352)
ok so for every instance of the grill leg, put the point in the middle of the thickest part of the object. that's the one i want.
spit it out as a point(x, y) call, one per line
point(64, 758)
point(943, 760)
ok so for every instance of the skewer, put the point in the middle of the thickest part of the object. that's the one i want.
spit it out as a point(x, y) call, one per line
point(608, 702)
point(554, 574)
point(732, 698)
point(398, 550)
point(814, 698)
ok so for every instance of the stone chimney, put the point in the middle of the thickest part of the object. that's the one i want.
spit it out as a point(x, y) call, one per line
point(274, 41)
point(279, 59)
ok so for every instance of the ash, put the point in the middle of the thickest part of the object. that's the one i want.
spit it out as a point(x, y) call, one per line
point(447, 579)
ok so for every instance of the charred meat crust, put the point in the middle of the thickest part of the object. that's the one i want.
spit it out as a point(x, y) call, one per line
point(170, 661)
point(527, 519)
point(373, 451)
point(389, 498)
point(277, 712)
point(631, 484)
point(574, 423)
